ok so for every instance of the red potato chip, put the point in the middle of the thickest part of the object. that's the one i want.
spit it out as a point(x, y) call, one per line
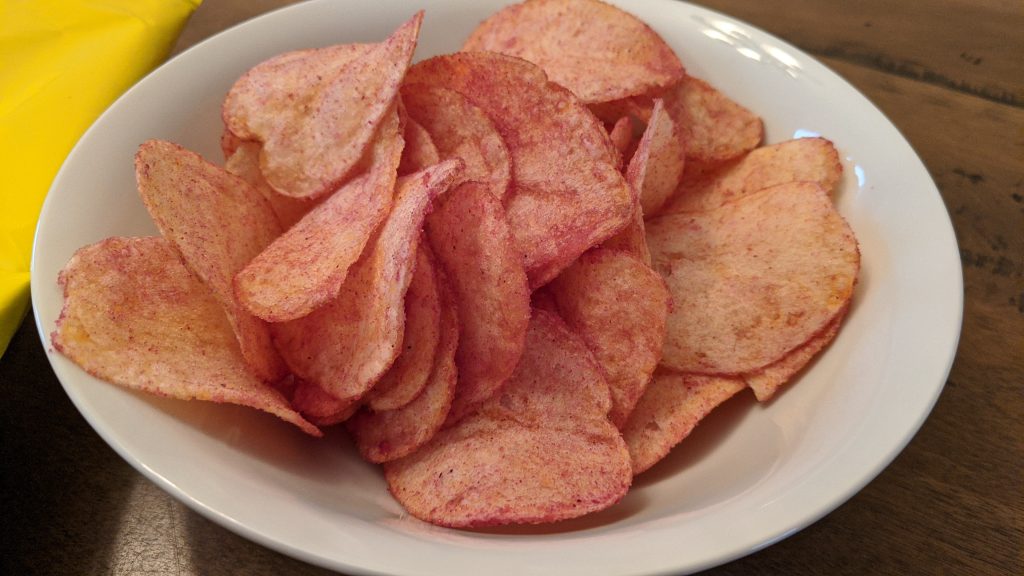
point(419, 151)
point(244, 162)
point(596, 50)
point(632, 238)
point(319, 407)
point(269, 91)
point(316, 121)
point(472, 241)
point(653, 173)
point(135, 316)
point(716, 129)
point(656, 167)
point(669, 410)
point(752, 279)
point(618, 305)
point(566, 194)
point(621, 135)
point(803, 159)
point(306, 266)
point(541, 451)
point(766, 381)
point(218, 223)
point(408, 375)
point(460, 129)
point(383, 436)
point(229, 144)
point(345, 346)
point(636, 107)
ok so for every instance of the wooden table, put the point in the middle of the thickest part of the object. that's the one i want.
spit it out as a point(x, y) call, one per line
point(949, 74)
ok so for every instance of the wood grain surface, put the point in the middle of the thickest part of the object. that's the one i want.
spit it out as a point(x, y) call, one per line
point(948, 73)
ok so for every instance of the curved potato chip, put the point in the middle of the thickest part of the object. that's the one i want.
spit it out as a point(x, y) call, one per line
point(766, 381)
point(472, 242)
point(803, 159)
point(541, 451)
point(632, 238)
point(638, 107)
point(229, 144)
point(345, 346)
point(656, 167)
point(265, 97)
point(460, 129)
point(419, 151)
point(408, 375)
point(566, 194)
point(383, 436)
point(315, 124)
point(669, 410)
point(618, 305)
point(752, 279)
point(596, 50)
point(218, 223)
point(716, 129)
point(621, 135)
point(318, 406)
point(306, 266)
point(654, 171)
point(244, 162)
point(135, 316)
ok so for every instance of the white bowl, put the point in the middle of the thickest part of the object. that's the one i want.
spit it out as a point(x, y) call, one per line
point(749, 476)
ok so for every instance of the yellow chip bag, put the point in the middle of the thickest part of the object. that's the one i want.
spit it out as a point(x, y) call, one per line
point(57, 79)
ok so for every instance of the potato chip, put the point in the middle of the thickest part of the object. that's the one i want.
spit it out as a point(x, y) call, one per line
point(382, 436)
point(472, 242)
point(669, 410)
point(752, 279)
point(419, 151)
point(632, 238)
point(654, 170)
point(636, 107)
point(596, 50)
point(566, 194)
point(316, 112)
point(244, 162)
point(716, 129)
point(135, 316)
point(460, 129)
point(541, 451)
point(345, 346)
point(320, 407)
point(306, 266)
point(656, 167)
point(408, 375)
point(766, 381)
point(621, 135)
point(803, 159)
point(218, 223)
point(229, 144)
point(618, 305)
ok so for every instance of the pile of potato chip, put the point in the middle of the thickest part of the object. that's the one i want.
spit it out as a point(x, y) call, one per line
point(519, 274)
